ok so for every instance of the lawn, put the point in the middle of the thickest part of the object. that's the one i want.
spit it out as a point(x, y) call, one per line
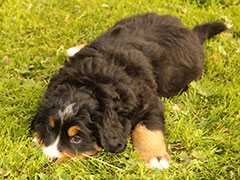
point(202, 124)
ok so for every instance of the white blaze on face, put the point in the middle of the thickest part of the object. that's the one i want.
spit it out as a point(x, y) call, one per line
point(52, 150)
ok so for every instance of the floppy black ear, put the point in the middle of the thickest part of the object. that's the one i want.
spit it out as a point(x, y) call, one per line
point(113, 132)
point(35, 122)
point(42, 112)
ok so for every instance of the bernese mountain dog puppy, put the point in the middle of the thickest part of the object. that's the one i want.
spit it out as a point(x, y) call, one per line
point(111, 89)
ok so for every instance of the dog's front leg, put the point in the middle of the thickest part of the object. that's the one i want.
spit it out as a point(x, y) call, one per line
point(151, 146)
point(149, 139)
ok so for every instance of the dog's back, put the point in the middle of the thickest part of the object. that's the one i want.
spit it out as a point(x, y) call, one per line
point(170, 56)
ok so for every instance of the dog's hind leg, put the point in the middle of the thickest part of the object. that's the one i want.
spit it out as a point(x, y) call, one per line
point(73, 50)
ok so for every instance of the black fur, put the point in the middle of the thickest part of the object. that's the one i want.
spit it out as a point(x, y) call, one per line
point(209, 30)
point(117, 80)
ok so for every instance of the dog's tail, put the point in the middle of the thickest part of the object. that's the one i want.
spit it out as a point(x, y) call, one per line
point(208, 30)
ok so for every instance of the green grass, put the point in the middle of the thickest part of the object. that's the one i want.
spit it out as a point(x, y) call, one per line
point(203, 133)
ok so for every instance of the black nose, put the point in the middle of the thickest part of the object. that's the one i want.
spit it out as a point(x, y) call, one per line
point(118, 148)
point(53, 159)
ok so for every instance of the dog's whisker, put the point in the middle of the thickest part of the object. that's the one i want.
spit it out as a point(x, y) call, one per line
point(110, 165)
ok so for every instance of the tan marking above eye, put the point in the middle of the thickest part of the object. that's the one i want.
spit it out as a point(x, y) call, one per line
point(72, 131)
point(52, 123)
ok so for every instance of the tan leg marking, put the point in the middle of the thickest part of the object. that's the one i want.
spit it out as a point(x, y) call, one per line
point(150, 145)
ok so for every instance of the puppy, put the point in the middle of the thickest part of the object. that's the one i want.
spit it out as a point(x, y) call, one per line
point(111, 89)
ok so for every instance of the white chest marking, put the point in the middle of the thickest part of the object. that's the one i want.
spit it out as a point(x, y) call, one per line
point(52, 151)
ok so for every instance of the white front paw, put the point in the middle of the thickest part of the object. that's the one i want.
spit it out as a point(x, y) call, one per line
point(154, 163)
point(165, 164)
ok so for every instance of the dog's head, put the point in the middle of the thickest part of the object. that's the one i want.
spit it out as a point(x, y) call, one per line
point(75, 124)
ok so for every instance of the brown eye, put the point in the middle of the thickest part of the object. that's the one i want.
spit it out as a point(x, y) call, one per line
point(75, 139)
